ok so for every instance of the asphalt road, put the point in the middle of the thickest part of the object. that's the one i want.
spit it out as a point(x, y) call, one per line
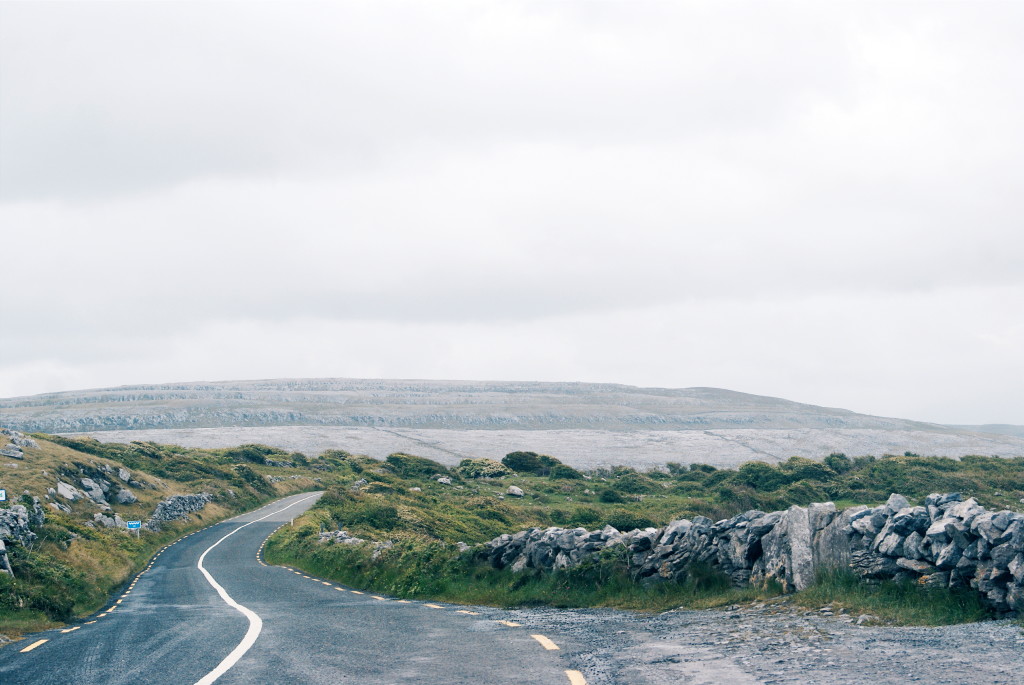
point(276, 625)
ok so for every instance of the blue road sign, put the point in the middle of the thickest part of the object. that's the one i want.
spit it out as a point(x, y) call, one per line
point(134, 525)
point(3, 495)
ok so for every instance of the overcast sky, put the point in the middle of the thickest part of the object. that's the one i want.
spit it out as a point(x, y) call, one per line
point(816, 201)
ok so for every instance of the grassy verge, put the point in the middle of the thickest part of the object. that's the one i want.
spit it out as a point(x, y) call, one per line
point(903, 603)
point(422, 569)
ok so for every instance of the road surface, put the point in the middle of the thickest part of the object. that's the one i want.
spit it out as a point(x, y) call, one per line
point(207, 609)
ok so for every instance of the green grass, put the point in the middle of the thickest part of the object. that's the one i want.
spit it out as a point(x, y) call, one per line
point(422, 569)
point(897, 602)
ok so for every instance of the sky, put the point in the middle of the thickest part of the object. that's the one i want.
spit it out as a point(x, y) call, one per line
point(815, 201)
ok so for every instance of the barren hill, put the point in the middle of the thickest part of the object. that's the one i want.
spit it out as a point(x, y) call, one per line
point(587, 423)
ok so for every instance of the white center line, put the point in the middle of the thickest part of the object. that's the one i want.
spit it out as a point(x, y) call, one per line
point(255, 622)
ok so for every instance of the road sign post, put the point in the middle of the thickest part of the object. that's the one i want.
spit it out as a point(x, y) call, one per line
point(135, 525)
point(3, 495)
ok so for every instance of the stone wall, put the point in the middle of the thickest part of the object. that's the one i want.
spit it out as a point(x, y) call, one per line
point(947, 542)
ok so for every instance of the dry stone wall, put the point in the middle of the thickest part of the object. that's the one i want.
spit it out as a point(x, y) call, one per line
point(947, 542)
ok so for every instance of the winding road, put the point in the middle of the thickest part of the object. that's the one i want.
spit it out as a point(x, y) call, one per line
point(207, 609)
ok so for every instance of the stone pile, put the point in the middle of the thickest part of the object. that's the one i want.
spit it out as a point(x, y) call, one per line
point(177, 507)
point(947, 542)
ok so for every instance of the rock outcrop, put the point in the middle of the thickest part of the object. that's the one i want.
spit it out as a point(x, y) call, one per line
point(16, 523)
point(947, 542)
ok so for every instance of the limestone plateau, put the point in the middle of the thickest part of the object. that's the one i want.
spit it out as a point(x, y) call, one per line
point(585, 424)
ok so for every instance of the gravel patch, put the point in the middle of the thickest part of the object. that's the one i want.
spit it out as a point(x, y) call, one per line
point(775, 642)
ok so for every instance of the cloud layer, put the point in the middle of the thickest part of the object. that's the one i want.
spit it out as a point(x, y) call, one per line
point(815, 202)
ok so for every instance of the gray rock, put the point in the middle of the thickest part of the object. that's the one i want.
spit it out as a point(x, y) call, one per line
point(896, 502)
point(124, 474)
point(12, 453)
point(444, 480)
point(515, 491)
point(68, 491)
point(93, 490)
point(125, 496)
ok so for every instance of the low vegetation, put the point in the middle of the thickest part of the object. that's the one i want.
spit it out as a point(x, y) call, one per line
point(405, 501)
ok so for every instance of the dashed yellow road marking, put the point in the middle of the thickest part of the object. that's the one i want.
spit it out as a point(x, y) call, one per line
point(545, 642)
point(376, 597)
point(89, 623)
point(101, 616)
point(464, 611)
point(34, 645)
point(356, 592)
point(118, 601)
point(403, 601)
point(434, 606)
point(340, 589)
point(576, 678)
point(70, 630)
point(510, 624)
point(326, 583)
point(305, 576)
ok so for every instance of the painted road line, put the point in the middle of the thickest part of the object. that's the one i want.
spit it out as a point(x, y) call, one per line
point(357, 592)
point(101, 616)
point(434, 606)
point(326, 583)
point(34, 645)
point(510, 624)
point(89, 623)
point(545, 642)
point(70, 630)
point(471, 613)
point(403, 601)
point(255, 622)
point(576, 678)
point(376, 597)
point(340, 589)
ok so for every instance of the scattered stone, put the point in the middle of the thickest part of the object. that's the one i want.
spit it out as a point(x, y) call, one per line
point(515, 491)
point(444, 480)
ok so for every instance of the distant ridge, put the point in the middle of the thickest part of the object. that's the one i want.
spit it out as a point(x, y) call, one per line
point(424, 404)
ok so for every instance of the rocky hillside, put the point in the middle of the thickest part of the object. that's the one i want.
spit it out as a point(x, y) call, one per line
point(64, 543)
point(422, 404)
point(586, 424)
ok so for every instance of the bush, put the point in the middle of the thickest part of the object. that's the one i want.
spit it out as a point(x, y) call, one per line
point(610, 496)
point(625, 521)
point(634, 483)
point(761, 476)
point(482, 468)
point(565, 472)
point(838, 462)
point(522, 462)
point(409, 466)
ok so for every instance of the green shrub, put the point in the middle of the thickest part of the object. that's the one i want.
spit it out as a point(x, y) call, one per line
point(609, 496)
point(626, 520)
point(409, 466)
point(561, 471)
point(482, 468)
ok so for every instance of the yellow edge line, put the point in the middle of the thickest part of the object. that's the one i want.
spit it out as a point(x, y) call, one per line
point(34, 645)
point(576, 678)
point(545, 642)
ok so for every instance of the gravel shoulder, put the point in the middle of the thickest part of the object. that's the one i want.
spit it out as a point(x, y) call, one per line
point(776, 642)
